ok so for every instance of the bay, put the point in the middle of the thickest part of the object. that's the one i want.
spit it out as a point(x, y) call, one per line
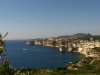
point(34, 56)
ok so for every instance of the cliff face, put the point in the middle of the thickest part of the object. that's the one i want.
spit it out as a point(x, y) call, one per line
point(74, 45)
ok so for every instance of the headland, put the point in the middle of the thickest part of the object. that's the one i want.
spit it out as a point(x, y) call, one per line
point(86, 44)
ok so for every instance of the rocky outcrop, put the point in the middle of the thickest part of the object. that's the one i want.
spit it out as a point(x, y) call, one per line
point(85, 47)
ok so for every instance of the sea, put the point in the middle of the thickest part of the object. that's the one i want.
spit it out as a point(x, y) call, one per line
point(36, 56)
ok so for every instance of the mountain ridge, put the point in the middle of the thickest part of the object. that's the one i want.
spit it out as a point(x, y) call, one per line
point(79, 35)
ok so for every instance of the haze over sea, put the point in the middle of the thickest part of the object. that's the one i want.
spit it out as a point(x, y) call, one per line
point(33, 56)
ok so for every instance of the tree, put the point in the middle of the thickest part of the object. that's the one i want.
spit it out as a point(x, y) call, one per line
point(5, 68)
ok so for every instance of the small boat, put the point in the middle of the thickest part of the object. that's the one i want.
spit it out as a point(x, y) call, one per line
point(24, 49)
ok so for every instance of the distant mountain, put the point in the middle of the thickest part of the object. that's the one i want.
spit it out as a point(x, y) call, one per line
point(80, 35)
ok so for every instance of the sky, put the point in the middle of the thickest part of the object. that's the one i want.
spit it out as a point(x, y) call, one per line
point(29, 19)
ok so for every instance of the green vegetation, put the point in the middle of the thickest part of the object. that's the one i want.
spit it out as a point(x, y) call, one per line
point(86, 66)
point(89, 63)
point(57, 72)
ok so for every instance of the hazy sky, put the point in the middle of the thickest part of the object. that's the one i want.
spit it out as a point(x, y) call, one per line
point(29, 19)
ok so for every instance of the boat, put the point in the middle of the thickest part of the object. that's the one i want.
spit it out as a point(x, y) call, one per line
point(24, 49)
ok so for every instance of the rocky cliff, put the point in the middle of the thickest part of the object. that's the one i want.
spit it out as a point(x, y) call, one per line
point(87, 47)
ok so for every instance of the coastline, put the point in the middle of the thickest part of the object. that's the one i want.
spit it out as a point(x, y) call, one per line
point(86, 47)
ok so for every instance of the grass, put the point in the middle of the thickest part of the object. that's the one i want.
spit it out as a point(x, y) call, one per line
point(61, 72)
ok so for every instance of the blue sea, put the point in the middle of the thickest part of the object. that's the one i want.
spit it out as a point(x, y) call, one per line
point(34, 56)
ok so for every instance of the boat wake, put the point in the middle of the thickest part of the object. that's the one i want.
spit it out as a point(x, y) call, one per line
point(26, 49)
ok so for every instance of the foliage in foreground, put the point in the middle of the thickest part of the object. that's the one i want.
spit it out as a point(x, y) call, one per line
point(49, 72)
